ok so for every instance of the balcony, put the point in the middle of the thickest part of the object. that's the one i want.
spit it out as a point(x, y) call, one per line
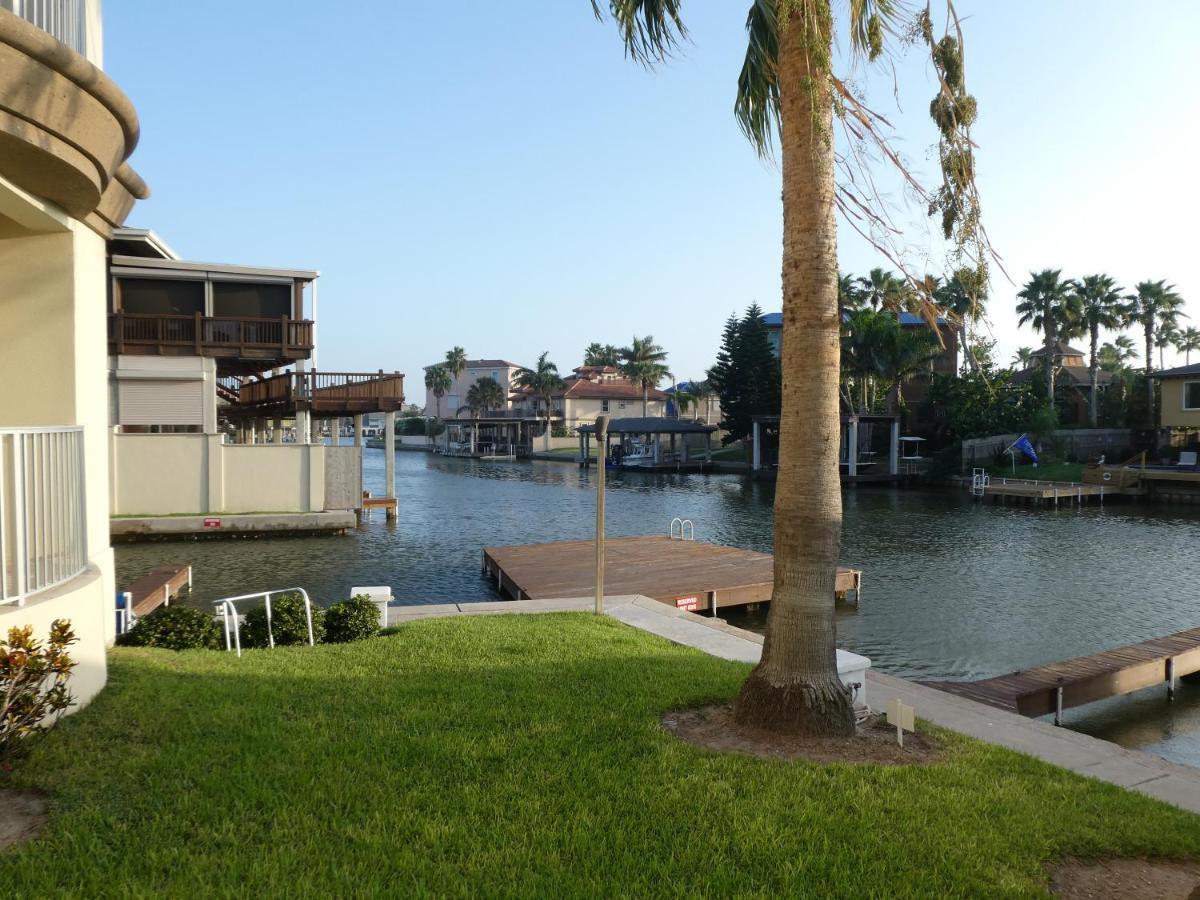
point(247, 344)
point(327, 393)
point(43, 510)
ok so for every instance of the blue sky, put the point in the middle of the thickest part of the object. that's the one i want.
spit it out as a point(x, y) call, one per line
point(499, 177)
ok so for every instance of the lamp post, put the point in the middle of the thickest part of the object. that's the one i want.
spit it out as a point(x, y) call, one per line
point(601, 442)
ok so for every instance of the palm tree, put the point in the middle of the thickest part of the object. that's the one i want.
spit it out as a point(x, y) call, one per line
point(1023, 357)
point(882, 289)
point(542, 382)
point(438, 382)
point(786, 91)
point(644, 363)
point(1154, 306)
point(1168, 336)
point(906, 352)
point(483, 395)
point(703, 391)
point(962, 297)
point(1100, 306)
point(850, 296)
point(456, 361)
point(1051, 306)
point(1187, 341)
point(596, 354)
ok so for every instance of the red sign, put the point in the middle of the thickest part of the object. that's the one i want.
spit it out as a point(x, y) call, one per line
point(691, 604)
point(212, 523)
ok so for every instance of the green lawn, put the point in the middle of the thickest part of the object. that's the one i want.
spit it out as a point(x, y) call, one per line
point(517, 755)
point(735, 452)
point(1044, 472)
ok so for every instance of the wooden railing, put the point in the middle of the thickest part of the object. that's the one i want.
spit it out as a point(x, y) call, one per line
point(330, 390)
point(201, 333)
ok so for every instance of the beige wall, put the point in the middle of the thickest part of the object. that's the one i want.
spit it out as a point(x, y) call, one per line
point(457, 395)
point(166, 474)
point(1173, 413)
point(580, 411)
point(52, 372)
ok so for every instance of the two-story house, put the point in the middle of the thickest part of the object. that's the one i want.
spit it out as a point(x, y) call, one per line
point(501, 371)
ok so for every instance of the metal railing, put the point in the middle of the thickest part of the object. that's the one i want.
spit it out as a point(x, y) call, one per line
point(230, 618)
point(43, 510)
point(65, 20)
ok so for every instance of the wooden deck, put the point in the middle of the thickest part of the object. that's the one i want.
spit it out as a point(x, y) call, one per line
point(1042, 492)
point(158, 587)
point(1084, 679)
point(687, 574)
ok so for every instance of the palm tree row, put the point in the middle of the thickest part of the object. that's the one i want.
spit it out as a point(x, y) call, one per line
point(1062, 309)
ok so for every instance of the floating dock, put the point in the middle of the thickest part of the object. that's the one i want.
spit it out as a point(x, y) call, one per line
point(158, 588)
point(1073, 682)
point(1041, 493)
point(687, 574)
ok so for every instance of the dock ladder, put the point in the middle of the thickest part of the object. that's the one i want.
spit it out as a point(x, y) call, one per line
point(979, 482)
point(230, 620)
point(683, 535)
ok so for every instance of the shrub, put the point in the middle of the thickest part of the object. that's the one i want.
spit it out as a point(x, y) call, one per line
point(175, 628)
point(351, 620)
point(288, 623)
point(33, 685)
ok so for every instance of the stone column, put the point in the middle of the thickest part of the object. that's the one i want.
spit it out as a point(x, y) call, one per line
point(358, 430)
point(389, 457)
point(756, 445)
point(852, 448)
point(302, 432)
point(894, 449)
point(314, 429)
point(277, 431)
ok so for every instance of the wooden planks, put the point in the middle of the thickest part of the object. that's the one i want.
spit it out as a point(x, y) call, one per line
point(1084, 679)
point(654, 566)
point(158, 587)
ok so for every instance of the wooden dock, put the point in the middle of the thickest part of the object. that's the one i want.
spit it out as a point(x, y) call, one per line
point(686, 574)
point(1042, 493)
point(157, 588)
point(1073, 682)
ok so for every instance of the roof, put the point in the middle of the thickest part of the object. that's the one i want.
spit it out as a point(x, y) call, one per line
point(1178, 372)
point(1075, 376)
point(492, 364)
point(1061, 348)
point(143, 265)
point(773, 320)
point(651, 425)
point(581, 388)
point(140, 242)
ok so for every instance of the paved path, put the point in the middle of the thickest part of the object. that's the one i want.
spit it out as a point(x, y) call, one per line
point(1143, 772)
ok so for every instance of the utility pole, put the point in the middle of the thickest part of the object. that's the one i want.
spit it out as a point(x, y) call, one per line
point(601, 442)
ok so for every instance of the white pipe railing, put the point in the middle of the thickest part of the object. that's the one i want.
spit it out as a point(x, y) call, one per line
point(43, 510)
point(229, 616)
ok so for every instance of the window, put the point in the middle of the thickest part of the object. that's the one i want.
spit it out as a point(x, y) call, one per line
point(161, 296)
point(604, 406)
point(1191, 395)
point(251, 301)
point(621, 405)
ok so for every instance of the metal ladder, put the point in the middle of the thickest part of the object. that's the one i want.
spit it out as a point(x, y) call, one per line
point(227, 609)
point(684, 535)
point(979, 482)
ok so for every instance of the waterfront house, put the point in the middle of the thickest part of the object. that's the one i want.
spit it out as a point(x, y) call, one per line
point(590, 391)
point(503, 372)
point(65, 135)
point(1179, 405)
point(1072, 379)
point(208, 363)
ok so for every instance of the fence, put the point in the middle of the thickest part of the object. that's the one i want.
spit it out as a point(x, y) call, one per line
point(43, 512)
point(1081, 443)
point(64, 19)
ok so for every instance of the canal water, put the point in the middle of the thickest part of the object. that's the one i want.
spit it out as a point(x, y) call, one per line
point(952, 588)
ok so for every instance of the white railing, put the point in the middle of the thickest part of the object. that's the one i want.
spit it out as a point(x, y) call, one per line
point(65, 20)
point(231, 618)
point(43, 510)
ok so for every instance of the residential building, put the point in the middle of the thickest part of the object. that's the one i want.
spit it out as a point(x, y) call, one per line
point(207, 363)
point(590, 391)
point(1072, 379)
point(65, 135)
point(501, 371)
point(1179, 403)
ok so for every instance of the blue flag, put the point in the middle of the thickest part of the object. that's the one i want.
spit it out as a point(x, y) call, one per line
point(1025, 446)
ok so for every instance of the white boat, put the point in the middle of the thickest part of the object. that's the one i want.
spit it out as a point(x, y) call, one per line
point(639, 455)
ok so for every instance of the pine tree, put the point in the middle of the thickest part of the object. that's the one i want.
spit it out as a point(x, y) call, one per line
point(747, 375)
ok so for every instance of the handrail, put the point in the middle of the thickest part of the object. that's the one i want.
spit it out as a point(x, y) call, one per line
point(229, 616)
point(691, 529)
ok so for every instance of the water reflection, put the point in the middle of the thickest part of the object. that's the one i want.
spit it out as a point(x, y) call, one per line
point(952, 589)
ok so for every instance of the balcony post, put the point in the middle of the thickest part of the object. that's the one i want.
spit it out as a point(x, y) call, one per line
point(120, 332)
point(283, 336)
point(198, 335)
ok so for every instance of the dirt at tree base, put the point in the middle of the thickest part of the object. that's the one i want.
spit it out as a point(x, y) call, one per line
point(22, 815)
point(1130, 879)
point(714, 728)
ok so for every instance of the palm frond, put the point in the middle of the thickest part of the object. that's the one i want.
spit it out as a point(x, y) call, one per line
point(757, 105)
point(651, 29)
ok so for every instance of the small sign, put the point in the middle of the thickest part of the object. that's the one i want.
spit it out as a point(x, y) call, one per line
point(902, 716)
point(691, 604)
point(212, 523)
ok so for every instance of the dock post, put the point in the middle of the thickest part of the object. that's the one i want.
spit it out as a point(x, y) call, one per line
point(756, 444)
point(358, 429)
point(1058, 700)
point(277, 430)
point(389, 460)
point(852, 448)
point(1170, 678)
point(601, 439)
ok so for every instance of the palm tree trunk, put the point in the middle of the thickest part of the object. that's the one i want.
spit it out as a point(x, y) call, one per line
point(645, 399)
point(1093, 400)
point(972, 363)
point(1049, 361)
point(795, 687)
point(1150, 417)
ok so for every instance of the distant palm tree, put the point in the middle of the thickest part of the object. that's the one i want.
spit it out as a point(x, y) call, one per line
point(1154, 306)
point(1168, 336)
point(905, 352)
point(456, 361)
point(542, 381)
point(1051, 306)
point(882, 289)
point(438, 382)
point(1115, 357)
point(1187, 341)
point(596, 354)
point(485, 394)
point(850, 295)
point(1101, 305)
point(645, 364)
point(962, 297)
point(1023, 357)
point(703, 392)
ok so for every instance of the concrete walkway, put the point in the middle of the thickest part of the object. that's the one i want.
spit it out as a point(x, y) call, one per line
point(1089, 756)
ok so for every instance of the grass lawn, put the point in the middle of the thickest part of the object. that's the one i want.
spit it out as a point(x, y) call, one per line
point(1044, 472)
point(735, 452)
point(517, 755)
